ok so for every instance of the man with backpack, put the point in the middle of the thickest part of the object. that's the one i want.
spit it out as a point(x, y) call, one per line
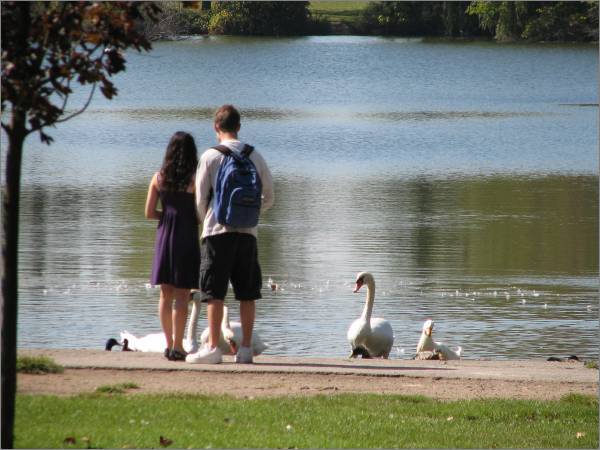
point(233, 186)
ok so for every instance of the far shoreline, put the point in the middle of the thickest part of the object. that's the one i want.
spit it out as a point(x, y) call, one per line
point(425, 39)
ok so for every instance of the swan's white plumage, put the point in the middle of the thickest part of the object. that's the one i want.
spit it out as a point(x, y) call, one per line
point(427, 344)
point(232, 332)
point(447, 352)
point(157, 342)
point(375, 335)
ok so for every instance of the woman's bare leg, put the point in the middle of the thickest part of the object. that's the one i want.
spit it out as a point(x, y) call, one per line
point(179, 317)
point(165, 312)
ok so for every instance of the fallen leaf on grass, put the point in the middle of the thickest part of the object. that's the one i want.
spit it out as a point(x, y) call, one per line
point(580, 434)
point(70, 440)
point(165, 442)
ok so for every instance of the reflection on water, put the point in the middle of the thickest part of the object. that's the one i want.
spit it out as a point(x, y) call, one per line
point(464, 177)
point(153, 114)
point(506, 266)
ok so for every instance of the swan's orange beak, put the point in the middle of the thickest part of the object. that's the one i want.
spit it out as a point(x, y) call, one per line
point(429, 330)
point(359, 284)
point(232, 346)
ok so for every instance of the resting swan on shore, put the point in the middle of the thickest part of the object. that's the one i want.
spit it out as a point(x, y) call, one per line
point(156, 342)
point(369, 337)
point(427, 344)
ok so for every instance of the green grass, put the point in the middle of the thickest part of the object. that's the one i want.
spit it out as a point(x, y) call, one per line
point(339, 421)
point(120, 388)
point(338, 12)
point(591, 364)
point(37, 365)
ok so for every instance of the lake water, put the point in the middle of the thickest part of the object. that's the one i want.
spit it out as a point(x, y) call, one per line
point(464, 176)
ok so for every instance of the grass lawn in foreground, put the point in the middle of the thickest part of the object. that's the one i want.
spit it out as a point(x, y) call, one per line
point(338, 421)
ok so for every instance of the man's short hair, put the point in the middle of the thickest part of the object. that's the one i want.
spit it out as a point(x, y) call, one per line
point(227, 118)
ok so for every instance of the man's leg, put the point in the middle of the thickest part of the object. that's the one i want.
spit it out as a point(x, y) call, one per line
point(247, 315)
point(214, 312)
point(211, 353)
point(214, 279)
point(247, 280)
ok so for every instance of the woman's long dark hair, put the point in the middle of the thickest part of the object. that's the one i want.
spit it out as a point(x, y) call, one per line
point(179, 165)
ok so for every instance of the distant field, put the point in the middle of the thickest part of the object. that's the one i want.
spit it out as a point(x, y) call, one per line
point(338, 12)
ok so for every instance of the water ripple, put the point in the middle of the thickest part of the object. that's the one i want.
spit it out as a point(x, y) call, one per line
point(278, 114)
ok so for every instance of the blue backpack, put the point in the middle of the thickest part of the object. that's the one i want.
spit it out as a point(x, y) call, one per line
point(238, 193)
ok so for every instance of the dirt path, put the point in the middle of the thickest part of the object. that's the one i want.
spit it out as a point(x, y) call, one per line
point(75, 381)
point(275, 376)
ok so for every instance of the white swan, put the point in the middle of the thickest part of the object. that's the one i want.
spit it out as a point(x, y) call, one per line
point(369, 337)
point(231, 337)
point(427, 344)
point(157, 342)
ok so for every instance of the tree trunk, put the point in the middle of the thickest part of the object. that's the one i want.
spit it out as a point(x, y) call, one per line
point(450, 16)
point(16, 132)
point(512, 21)
point(10, 215)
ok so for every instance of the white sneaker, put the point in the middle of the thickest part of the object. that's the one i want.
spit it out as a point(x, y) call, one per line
point(206, 355)
point(244, 355)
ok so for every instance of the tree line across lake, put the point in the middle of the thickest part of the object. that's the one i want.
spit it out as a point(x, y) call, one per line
point(504, 21)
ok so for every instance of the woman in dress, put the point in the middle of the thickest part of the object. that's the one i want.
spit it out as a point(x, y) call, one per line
point(176, 263)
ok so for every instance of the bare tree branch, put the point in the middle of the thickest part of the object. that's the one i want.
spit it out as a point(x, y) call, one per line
point(87, 49)
point(64, 105)
point(87, 103)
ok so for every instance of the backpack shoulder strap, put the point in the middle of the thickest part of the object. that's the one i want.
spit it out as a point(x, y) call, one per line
point(247, 150)
point(223, 149)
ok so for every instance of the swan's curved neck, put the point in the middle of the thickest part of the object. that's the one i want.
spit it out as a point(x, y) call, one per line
point(368, 310)
point(425, 343)
point(225, 322)
point(192, 331)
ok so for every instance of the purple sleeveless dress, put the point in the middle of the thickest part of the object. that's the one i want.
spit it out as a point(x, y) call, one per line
point(177, 248)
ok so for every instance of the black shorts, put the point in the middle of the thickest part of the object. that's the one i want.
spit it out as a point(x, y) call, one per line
point(225, 257)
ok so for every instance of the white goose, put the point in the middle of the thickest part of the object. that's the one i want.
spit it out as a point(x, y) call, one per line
point(231, 337)
point(369, 337)
point(157, 342)
point(427, 344)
